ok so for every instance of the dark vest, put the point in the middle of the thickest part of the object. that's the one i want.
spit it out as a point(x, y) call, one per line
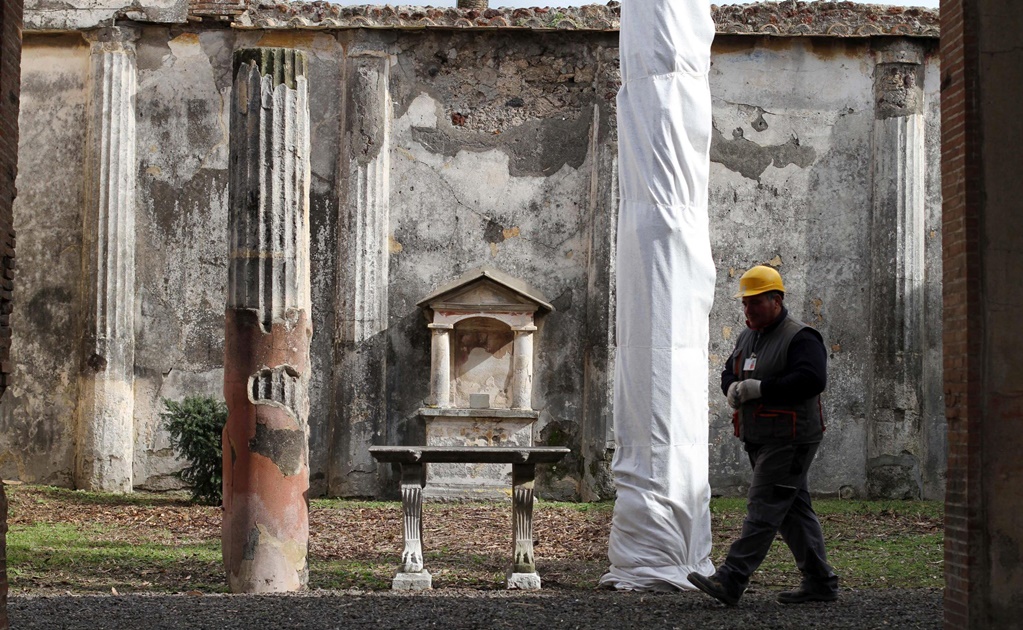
point(761, 422)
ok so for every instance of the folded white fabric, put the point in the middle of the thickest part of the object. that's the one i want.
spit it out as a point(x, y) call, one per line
point(660, 531)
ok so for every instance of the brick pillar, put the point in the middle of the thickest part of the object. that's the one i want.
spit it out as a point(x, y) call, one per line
point(981, 71)
point(961, 338)
point(265, 535)
point(10, 91)
point(104, 448)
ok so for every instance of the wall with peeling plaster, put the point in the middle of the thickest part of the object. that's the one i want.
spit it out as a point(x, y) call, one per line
point(791, 186)
point(37, 412)
point(500, 151)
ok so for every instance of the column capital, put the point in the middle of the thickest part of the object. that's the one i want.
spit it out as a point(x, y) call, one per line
point(439, 327)
point(898, 79)
point(900, 51)
point(112, 38)
point(528, 328)
point(282, 65)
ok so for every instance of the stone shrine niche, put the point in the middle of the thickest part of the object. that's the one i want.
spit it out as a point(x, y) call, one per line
point(481, 376)
point(481, 363)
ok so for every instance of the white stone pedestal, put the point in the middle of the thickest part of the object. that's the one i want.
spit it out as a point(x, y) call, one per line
point(523, 581)
point(474, 427)
point(421, 581)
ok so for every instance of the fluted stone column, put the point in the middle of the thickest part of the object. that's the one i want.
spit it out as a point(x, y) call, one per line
point(265, 535)
point(522, 372)
point(360, 357)
point(897, 273)
point(596, 427)
point(106, 399)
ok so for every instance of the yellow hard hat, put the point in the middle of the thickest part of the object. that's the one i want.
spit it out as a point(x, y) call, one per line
point(759, 279)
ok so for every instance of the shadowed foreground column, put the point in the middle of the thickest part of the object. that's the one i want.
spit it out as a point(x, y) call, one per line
point(265, 535)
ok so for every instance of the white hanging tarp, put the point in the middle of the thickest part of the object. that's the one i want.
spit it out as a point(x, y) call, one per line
point(665, 286)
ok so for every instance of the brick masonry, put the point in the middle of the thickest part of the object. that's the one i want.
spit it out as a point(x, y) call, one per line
point(960, 189)
point(10, 90)
point(979, 92)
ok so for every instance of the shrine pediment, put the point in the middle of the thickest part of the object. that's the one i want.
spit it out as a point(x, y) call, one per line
point(486, 289)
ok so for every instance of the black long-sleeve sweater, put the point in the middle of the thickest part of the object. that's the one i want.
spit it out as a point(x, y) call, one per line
point(806, 368)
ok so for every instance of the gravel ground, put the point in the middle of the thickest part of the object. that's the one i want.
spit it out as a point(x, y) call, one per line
point(459, 609)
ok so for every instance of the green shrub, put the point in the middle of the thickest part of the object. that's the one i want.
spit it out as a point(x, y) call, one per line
point(196, 425)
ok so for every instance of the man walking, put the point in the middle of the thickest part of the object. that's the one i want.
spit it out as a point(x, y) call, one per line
point(773, 381)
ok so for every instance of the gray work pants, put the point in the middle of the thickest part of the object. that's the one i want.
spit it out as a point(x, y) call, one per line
point(779, 502)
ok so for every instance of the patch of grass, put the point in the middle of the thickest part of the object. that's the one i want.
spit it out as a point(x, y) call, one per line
point(351, 504)
point(727, 505)
point(601, 506)
point(49, 495)
point(373, 575)
point(915, 509)
point(871, 544)
point(90, 558)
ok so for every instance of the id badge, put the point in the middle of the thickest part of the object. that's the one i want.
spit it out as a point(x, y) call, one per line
point(749, 364)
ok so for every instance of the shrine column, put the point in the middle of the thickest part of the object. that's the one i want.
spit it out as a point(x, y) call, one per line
point(440, 368)
point(522, 374)
point(265, 534)
point(104, 447)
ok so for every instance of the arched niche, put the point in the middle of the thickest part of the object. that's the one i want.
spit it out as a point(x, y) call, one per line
point(482, 352)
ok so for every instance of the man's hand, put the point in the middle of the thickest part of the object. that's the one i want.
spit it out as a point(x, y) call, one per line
point(748, 390)
point(733, 395)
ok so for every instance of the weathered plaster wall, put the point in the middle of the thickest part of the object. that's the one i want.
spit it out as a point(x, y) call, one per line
point(791, 186)
point(434, 152)
point(934, 426)
point(184, 92)
point(184, 86)
point(493, 165)
point(37, 413)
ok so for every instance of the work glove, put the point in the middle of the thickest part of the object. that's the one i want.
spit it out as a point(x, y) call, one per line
point(748, 390)
point(733, 395)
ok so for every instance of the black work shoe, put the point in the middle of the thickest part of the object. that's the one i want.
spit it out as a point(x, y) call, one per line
point(802, 595)
point(714, 588)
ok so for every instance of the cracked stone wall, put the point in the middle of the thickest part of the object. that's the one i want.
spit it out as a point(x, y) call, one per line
point(434, 152)
point(83, 14)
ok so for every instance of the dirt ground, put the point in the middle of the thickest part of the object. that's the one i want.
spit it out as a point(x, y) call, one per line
point(163, 543)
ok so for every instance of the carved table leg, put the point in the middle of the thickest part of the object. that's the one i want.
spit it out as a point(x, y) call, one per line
point(412, 576)
point(523, 573)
